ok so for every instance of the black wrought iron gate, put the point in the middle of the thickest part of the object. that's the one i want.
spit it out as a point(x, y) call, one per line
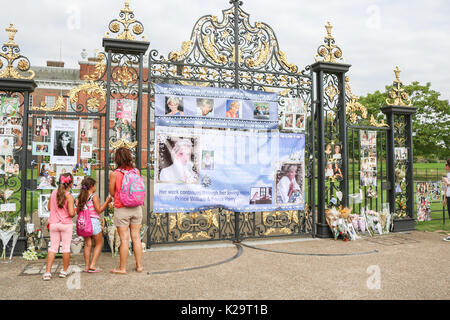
point(215, 57)
point(227, 53)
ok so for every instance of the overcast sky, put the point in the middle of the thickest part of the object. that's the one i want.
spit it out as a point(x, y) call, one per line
point(375, 35)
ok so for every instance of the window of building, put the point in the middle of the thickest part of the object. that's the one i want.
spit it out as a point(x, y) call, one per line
point(50, 101)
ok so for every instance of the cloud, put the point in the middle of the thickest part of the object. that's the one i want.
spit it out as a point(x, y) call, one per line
point(375, 35)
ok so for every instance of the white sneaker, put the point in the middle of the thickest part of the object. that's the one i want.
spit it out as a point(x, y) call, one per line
point(47, 276)
point(447, 239)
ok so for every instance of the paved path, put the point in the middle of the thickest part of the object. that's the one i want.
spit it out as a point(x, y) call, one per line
point(397, 266)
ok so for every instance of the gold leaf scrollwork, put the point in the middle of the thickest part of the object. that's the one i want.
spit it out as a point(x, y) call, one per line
point(11, 54)
point(126, 20)
point(181, 55)
point(329, 52)
point(90, 88)
point(263, 50)
point(292, 67)
point(100, 68)
point(122, 143)
point(373, 122)
point(209, 45)
point(58, 106)
point(331, 91)
point(124, 75)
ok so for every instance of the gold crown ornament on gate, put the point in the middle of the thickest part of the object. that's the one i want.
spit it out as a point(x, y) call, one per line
point(17, 65)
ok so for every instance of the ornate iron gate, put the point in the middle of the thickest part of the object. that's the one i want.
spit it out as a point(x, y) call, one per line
point(230, 53)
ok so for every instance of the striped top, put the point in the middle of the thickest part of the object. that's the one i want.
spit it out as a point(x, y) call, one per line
point(90, 207)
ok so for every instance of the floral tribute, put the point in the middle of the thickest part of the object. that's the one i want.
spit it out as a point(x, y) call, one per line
point(348, 226)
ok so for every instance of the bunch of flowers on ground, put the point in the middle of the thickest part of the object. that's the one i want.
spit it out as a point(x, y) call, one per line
point(340, 222)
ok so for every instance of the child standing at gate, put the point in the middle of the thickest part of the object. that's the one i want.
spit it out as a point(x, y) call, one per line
point(61, 207)
point(90, 201)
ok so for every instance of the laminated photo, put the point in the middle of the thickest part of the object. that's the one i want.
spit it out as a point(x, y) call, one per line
point(205, 107)
point(46, 183)
point(289, 184)
point(41, 148)
point(177, 161)
point(86, 128)
point(77, 182)
point(9, 107)
point(43, 211)
point(47, 169)
point(65, 142)
point(6, 145)
point(86, 151)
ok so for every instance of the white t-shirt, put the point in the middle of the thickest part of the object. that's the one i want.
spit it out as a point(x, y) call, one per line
point(448, 185)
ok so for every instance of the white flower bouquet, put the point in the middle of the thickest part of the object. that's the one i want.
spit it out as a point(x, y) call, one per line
point(373, 222)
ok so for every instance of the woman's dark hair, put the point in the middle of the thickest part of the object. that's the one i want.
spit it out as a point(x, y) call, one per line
point(86, 184)
point(448, 162)
point(62, 188)
point(123, 158)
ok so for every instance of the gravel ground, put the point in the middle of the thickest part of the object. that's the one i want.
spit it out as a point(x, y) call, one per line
point(396, 266)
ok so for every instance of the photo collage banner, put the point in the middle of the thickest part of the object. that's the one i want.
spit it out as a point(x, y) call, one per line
point(10, 134)
point(200, 166)
point(294, 115)
point(426, 192)
point(185, 106)
point(199, 169)
point(368, 158)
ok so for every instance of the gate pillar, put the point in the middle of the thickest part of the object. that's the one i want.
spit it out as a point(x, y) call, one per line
point(125, 56)
point(330, 123)
point(399, 113)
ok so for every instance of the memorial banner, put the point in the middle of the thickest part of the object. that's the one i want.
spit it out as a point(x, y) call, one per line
point(198, 169)
point(183, 106)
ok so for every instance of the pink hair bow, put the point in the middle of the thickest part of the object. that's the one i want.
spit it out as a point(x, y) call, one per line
point(65, 179)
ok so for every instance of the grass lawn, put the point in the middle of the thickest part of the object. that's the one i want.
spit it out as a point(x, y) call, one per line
point(423, 171)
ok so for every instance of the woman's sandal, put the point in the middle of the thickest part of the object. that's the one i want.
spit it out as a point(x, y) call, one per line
point(63, 274)
point(94, 270)
point(47, 276)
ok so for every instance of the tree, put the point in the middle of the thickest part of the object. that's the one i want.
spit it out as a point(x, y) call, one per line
point(431, 123)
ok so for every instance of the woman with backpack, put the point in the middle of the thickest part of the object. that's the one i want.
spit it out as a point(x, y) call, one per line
point(128, 189)
point(88, 200)
point(62, 210)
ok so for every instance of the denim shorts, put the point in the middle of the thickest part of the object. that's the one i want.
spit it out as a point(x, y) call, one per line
point(96, 225)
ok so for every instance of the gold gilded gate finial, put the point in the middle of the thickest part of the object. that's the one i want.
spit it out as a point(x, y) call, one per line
point(329, 52)
point(130, 27)
point(398, 96)
point(11, 54)
point(11, 34)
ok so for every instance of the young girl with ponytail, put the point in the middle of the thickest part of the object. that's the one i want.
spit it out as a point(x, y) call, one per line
point(62, 210)
point(88, 200)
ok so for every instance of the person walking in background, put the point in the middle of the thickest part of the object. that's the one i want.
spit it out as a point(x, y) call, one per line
point(127, 219)
point(62, 210)
point(446, 181)
point(88, 200)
